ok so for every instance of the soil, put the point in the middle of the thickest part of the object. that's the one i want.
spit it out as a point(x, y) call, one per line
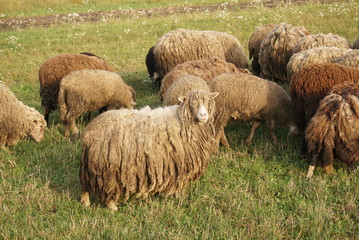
point(45, 21)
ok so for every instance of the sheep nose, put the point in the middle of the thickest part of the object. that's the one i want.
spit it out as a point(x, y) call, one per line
point(203, 114)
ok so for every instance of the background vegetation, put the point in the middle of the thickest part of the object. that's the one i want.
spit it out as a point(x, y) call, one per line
point(248, 192)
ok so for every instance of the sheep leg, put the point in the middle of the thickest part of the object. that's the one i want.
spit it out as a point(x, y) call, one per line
point(272, 132)
point(223, 139)
point(328, 157)
point(85, 198)
point(312, 165)
point(112, 205)
point(46, 115)
point(73, 127)
point(255, 125)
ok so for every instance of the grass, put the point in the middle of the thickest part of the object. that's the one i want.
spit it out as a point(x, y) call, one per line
point(248, 192)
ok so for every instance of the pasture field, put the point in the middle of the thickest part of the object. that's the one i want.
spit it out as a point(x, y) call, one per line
point(247, 192)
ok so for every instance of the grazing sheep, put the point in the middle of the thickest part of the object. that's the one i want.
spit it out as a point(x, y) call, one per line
point(333, 130)
point(312, 83)
point(314, 56)
point(321, 40)
point(89, 90)
point(254, 45)
point(18, 120)
point(203, 68)
point(142, 152)
point(181, 87)
point(356, 43)
point(276, 50)
point(249, 98)
point(350, 59)
point(184, 45)
point(150, 64)
point(54, 69)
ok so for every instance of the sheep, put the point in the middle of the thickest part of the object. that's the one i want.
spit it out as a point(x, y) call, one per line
point(254, 44)
point(247, 97)
point(88, 90)
point(333, 130)
point(312, 83)
point(206, 69)
point(356, 43)
point(183, 45)
point(55, 68)
point(142, 152)
point(314, 56)
point(181, 87)
point(18, 120)
point(350, 59)
point(276, 50)
point(321, 40)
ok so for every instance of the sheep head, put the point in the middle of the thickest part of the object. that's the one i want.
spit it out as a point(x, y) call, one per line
point(198, 105)
point(37, 124)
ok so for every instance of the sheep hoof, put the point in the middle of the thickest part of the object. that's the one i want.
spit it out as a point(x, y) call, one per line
point(112, 206)
point(85, 199)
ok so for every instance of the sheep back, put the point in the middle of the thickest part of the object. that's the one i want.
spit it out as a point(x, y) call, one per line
point(54, 69)
point(18, 120)
point(333, 129)
point(314, 56)
point(321, 40)
point(206, 69)
point(183, 45)
point(181, 87)
point(350, 59)
point(312, 83)
point(142, 152)
point(254, 44)
point(276, 50)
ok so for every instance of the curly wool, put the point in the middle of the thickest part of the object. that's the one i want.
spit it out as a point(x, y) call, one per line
point(182, 45)
point(89, 90)
point(314, 56)
point(254, 44)
point(350, 59)
point(312, 83)
point(330, 132)
point(203, 68)
point(142, 152)
point(321, 40)
point(246, 97)
point(181, 87)
point(276, 50)
point(54, 69)
point(18, 120)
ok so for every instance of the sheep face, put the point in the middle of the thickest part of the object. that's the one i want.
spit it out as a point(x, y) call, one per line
point(200, 104)
point(38, 130)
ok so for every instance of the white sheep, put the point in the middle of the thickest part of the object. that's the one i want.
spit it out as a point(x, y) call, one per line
point(181, 87)
point(321, 40)
point(276, 50)
point(249, 98)
point(18, 120)
point(349, 59)
point(142, 152)
point(314, 56)
point(182, 45)
point(88, 90)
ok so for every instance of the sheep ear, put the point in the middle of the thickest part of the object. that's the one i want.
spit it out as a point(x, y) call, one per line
point(182, 98)
point(214, 94)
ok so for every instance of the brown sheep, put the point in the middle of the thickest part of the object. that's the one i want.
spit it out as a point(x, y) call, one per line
point(203, 68)
point(333, 130)
point(312, 83)
point(54, 69)
point(254, 45)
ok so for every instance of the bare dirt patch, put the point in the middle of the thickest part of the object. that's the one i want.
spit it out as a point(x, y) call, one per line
point(46, 21)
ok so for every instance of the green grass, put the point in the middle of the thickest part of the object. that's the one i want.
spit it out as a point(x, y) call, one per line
point(248, 192)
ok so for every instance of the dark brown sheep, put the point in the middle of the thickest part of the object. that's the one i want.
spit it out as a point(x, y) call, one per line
point(312, 83)
point(333, 130)
point(54, 69)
